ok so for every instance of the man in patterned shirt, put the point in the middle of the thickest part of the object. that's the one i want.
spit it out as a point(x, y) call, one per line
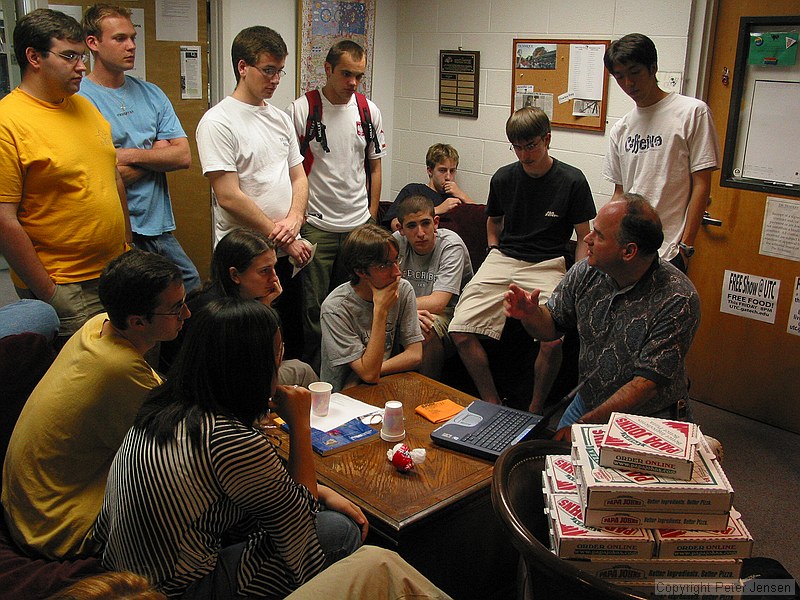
point(636, 316)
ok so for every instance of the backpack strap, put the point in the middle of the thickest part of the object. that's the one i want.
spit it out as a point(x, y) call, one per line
point(369, 135)
point(315, 129)
point(366, 122)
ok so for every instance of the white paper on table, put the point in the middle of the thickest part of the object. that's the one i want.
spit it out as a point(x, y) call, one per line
point(342, 409)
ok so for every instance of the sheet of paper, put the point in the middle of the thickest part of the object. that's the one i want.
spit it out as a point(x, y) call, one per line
point(191, 73)
point(343, 408)
point(176, 20)
point(586, 71)
point(295, 268)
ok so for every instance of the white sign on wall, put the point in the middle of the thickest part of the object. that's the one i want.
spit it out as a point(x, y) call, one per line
point(780, 234)
point(793, 326)
point(750, 296)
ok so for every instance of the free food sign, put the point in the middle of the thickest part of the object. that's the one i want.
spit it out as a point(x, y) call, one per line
point(750, 296)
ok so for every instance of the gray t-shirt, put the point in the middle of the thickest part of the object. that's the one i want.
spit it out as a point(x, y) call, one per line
point(446, 269)
point(346, 322)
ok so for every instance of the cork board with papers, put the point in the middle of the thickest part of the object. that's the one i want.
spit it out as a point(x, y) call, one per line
point(565, 78)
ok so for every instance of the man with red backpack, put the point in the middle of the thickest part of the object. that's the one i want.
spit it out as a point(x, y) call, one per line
point(342, 141)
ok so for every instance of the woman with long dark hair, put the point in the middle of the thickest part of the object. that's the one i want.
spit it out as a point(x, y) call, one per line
point(243, 266)
point(198, 500)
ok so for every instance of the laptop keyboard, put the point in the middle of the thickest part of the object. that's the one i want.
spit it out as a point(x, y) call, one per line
point(500, 432)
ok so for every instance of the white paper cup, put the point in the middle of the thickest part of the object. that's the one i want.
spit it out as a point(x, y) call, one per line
point(320, 398)
point(394, 427)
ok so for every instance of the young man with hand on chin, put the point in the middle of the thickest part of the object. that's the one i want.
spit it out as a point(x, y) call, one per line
point(366, 320)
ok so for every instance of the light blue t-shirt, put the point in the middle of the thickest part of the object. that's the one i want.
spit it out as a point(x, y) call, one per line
point(140, 113)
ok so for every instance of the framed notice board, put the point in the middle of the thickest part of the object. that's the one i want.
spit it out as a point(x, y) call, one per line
point(764, 115)
point(459, 76)
point(565, 78)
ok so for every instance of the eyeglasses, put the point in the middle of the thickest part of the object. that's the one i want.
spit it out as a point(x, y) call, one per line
point(178, 312)
point(270, 72)
point(71, 56)
point(389, 264)
point(526, 147)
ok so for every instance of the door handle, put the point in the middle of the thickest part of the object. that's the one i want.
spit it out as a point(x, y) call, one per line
point(708, 220)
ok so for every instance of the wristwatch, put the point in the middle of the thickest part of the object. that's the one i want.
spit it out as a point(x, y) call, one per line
point(492, 247)
point(687, 250)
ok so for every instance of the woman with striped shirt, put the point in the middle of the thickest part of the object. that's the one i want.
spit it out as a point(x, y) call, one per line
point(198, 500)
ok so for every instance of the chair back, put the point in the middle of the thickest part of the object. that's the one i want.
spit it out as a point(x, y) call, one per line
point(519, 503)
point(24, 359)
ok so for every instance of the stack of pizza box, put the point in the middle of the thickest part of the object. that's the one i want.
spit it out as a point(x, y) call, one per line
point(644, 499)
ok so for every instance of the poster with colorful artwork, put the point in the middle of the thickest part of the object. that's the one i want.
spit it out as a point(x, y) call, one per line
point(322, 23)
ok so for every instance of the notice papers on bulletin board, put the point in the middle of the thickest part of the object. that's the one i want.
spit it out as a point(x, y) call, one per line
point(773, 48)
point(565, 78)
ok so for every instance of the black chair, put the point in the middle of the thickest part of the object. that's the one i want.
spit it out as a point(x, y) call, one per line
point(519, 503)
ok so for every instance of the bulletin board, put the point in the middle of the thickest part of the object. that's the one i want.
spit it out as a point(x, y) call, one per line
point(764, 115)
point(565, 78)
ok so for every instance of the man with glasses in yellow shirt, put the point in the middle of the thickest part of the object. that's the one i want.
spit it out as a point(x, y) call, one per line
point(63, 214)
point(55, 471)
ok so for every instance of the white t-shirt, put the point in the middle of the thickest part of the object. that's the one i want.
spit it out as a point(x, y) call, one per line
point(337, 181)
point(258, 143)
point(653, 151)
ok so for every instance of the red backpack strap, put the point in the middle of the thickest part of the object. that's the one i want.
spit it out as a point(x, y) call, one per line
point(315, 129)
point(366, 122)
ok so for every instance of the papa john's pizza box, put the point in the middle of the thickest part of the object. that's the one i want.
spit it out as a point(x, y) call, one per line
point(733, 541)
point(637, 570)
point(560, 473)
point(595, 517)
point(650, 445)
point(572, 539)
point(709, 490)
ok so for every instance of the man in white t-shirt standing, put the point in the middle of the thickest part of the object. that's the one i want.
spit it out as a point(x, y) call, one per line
point(343, 153)
point(249, 152)
point(664, 149)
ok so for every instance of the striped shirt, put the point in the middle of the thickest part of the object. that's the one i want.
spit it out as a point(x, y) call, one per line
point(167, 508)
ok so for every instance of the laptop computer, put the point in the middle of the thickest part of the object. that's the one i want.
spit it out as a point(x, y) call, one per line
point(484, 429)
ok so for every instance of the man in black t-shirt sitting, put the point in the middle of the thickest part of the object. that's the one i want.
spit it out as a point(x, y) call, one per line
point(533, 207)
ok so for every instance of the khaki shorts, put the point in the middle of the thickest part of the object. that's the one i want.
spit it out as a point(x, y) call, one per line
point(75, 304)
point(480, 307)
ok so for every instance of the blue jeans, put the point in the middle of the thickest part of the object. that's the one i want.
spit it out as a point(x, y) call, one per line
point(573, 412)
point(577, 409)
point(168, 246)
point(27, 315)
point(338, 535)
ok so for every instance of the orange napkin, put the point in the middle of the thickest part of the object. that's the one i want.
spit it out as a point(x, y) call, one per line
point(439, 411)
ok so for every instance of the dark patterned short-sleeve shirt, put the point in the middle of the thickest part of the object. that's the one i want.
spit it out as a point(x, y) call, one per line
point(645, 329)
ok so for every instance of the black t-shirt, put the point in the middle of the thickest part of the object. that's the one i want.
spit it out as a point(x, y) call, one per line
point(540, 212)
point(412, 189)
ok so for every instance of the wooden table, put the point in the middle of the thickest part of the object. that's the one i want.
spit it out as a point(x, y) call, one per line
point(438, 516)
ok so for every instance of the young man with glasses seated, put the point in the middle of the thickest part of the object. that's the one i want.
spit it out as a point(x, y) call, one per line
point(63, 214)
point(534, 206)
point(369, 324)
point(55, 471)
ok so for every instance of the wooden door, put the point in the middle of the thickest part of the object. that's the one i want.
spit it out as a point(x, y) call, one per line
point(740, 364)
point(189, 190)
